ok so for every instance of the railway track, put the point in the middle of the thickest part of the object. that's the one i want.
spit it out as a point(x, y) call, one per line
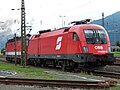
point(56, 83)
point(97, 72)
point(106, 74)
point(115, 75)
point(117, 62)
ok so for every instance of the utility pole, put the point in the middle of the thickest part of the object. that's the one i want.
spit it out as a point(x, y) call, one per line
point(23, 35)
point(15, 50)
point(103, 19)
point(63, 22)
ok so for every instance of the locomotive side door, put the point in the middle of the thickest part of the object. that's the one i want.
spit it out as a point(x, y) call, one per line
point(73, 43)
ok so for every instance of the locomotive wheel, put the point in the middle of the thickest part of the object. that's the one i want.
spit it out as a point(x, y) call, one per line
point(64, 67)
point(75, 67)
point(35, 63)
point(54, 64)
point(42, 64)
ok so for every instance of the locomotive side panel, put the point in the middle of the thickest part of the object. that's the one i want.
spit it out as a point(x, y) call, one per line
point(10, 50)
point(33, 46)
point(53, 45)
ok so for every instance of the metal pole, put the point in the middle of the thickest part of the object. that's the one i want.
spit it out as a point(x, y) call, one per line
point(63, 22)
point(23, 35)
point(15, 51)
point(103, 19)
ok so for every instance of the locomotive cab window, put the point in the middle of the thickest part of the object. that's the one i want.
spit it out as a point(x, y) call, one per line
point(95, 36)
point(75, 37)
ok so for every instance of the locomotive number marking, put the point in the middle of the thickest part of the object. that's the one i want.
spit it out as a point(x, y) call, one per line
point(58, 43)
point(98, 47)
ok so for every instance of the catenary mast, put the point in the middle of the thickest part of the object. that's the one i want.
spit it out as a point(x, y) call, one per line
point(23, 35)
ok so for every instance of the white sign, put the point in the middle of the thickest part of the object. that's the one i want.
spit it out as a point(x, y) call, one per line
point(58, 43)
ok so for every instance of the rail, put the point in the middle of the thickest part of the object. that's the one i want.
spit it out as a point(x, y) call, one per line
point(106, 74)
point(55, 83)
point(117, 62)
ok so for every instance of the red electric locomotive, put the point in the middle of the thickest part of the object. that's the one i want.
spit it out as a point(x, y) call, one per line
point(10, 49)
point(70, 47)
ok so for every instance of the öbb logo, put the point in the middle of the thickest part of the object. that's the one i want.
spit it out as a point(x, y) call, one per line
point(98, 47)
point(58, 43)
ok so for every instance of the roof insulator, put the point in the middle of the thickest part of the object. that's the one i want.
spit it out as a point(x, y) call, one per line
point(44, 31)
point(81, 22)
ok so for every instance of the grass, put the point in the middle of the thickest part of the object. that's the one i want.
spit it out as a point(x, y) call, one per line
point(27, 72)
point(33, 72)
point(116, 54)
point(115, 88)
point(37, 72)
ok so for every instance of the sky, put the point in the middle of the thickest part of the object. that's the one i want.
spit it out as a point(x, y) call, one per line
point(45, 14)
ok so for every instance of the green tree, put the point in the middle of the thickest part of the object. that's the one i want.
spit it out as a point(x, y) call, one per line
point(3, 51)
point(118, 43)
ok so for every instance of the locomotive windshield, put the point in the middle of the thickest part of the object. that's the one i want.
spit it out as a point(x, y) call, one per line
point(95, 36)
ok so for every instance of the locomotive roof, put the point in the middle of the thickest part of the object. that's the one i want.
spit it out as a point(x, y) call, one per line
point(13, 39)
point(66, 30)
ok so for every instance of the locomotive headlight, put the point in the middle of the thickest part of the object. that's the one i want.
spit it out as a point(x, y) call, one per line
point(109, 49)
point(85, 48)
